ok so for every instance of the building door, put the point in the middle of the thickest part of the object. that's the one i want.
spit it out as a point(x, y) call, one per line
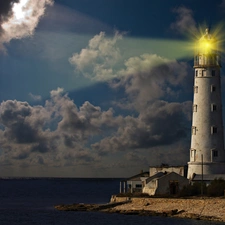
point(174, 187)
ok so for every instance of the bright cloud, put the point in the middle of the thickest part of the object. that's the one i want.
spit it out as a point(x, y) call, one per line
point(23, 19)
point(145, 78)
point(99, 60)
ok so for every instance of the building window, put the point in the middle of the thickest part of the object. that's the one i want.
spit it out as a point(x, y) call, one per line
point(196, 73)
point(138, 186)
point(193, 130)
point(215, 153)
point(213, 107)
point(204, 73)
point(196, 89)
point(213, 130)
point(213, 88)
point(193, 154)
point(196, 60)
point(194, 108)
point(213, 73)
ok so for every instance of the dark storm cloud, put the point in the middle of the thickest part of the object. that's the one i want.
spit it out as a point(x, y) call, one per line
point(22, 122)
point(161, 124)
point(78, 124)
point(43, 146)
point(26, 130)
point(21, 155)
point(79, 157)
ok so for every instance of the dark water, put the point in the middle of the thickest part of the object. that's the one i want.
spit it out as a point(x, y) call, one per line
point(31, 201)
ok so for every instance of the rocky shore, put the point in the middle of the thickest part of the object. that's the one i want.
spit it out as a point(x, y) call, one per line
point(194, 208)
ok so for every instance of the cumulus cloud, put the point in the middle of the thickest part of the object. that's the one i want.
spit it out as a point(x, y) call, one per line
point(161, 124)
point(185, 22)
point(147, 80)
point(98, 61)
point(20, 18)
point(60, 133)
point(59, 130)
point(147, 76)
point(23, 123)
point(6, 9)
point(151, 77)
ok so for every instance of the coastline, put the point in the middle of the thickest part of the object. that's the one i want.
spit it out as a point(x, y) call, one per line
point(212, 209)
point(193, 208)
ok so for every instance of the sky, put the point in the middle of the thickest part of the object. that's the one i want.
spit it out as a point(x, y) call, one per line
point(98, 88)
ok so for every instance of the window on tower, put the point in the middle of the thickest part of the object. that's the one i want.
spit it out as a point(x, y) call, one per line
point(213, 73)
point(196, 61)
point(194, 108)
point(196, 73)
point(213, 107)
point(193, 154)
point(213, 88)
point(194, 130)
point(204, 73)
point(196, 89)
point(215, 153)
point(213, 130)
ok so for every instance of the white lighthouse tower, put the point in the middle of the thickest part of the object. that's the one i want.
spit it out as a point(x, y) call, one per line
point(207, 154)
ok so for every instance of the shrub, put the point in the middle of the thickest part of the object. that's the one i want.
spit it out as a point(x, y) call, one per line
point(192, 190)
point(216, 187)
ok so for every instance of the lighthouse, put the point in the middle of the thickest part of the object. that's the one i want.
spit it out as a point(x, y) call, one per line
point(207, 154)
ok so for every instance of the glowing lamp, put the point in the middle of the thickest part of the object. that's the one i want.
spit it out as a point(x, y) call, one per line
point(207, 51)
point(206, 46)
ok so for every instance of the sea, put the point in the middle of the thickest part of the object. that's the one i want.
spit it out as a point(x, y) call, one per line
point(28, 201)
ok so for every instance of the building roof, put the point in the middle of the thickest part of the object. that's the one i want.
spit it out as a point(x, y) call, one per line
point(161, 175)
point(157, 175)
point(138, 176)
point(208, 177)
